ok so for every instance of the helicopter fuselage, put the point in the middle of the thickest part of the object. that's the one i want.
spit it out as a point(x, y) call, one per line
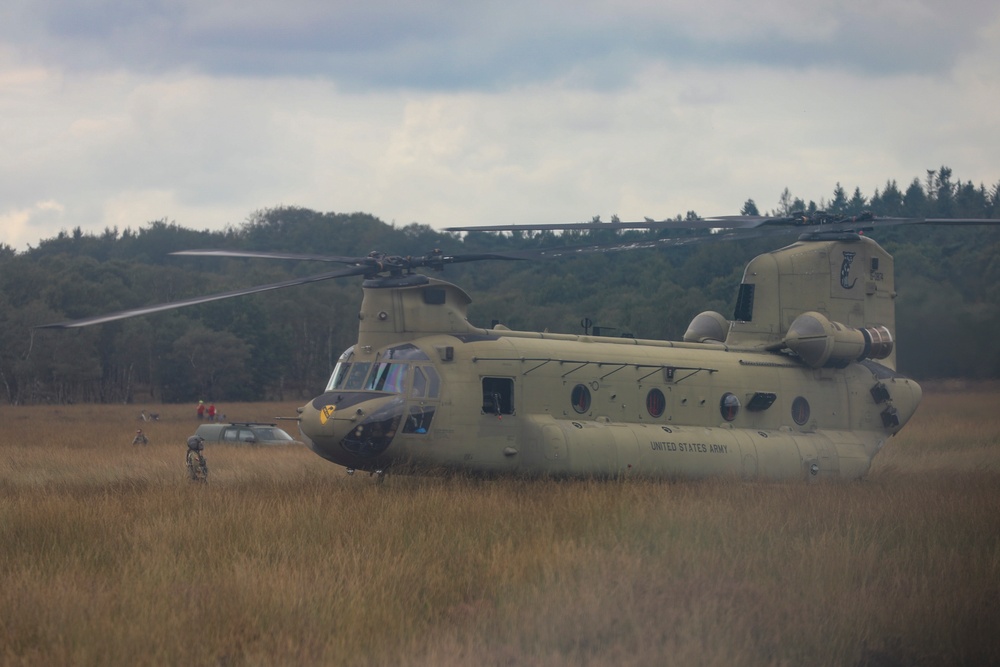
point(495, 401)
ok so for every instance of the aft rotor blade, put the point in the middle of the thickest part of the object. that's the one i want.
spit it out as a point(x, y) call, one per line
point(793, 222)
point(959, 222)
point(757, 232)
point(679, 225)
point(881, 223)
point(571, 251)
point(672, 242)
point(147, 310)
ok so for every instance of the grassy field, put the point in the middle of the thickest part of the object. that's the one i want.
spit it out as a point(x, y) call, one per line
point(109, 556)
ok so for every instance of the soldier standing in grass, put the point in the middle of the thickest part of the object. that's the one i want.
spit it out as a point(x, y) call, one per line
point(140, 438)
point(196, 464)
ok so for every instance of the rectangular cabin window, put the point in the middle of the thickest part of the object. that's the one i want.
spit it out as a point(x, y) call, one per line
point(744, 303)
point(498, 396)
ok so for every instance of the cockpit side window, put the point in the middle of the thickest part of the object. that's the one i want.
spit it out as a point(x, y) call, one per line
point(341, 370)
point(419, 383)
point(426, 383)
point(419, 420)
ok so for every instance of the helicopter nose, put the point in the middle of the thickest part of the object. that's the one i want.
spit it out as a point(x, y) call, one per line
point(352, 429)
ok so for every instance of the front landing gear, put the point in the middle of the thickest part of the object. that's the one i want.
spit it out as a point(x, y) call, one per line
point(379, 474)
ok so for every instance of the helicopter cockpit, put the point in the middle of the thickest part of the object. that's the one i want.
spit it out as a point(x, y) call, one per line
point(389, 373)
point(398, 391)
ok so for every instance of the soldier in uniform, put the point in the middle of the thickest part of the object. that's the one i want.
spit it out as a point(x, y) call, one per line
point(140, 438)
point(196, 464)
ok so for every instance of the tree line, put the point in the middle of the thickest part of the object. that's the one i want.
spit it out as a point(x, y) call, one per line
point(283, 345)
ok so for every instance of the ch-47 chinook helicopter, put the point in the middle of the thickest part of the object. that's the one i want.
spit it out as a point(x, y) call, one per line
point(800, 383)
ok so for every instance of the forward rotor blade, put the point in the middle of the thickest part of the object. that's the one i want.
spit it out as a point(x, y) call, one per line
point(146, 310)
point(261, 254)
point(431, 260)
point(372, 261)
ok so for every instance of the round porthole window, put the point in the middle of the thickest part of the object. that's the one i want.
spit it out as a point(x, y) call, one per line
point(729, 406)
point(655, 403)
point(580, 398)
point(800, 411)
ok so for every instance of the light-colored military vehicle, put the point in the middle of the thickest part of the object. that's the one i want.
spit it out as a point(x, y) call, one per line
point(245, 433)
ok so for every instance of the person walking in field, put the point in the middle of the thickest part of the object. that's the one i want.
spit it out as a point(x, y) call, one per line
point(196, 464)
point(201, 410)
point(211, 412)
point(140, 438)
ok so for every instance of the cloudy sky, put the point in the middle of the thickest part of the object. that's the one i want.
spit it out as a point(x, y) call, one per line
point(114, 113)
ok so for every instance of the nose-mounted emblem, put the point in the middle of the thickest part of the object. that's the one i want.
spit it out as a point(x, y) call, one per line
point(326, 413)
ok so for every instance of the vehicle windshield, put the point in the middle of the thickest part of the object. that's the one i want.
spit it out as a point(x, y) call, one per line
point(272, 434)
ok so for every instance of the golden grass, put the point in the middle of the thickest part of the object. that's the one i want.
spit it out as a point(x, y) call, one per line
point(108, 555)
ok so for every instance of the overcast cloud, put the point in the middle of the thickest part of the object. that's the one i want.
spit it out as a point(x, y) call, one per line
point(115, 113)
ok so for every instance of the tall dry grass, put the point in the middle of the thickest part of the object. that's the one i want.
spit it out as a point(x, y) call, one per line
point(108, 555)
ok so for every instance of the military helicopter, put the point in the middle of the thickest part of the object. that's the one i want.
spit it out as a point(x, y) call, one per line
point(799, 384)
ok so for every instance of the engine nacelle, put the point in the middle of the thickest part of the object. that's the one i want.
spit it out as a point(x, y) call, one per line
point(707, 327)
point(820, 342)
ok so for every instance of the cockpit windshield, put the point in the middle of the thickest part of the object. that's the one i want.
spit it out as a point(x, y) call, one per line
point(348, 374)
point(341, 370)
point(388, 374)
point(387, 377)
